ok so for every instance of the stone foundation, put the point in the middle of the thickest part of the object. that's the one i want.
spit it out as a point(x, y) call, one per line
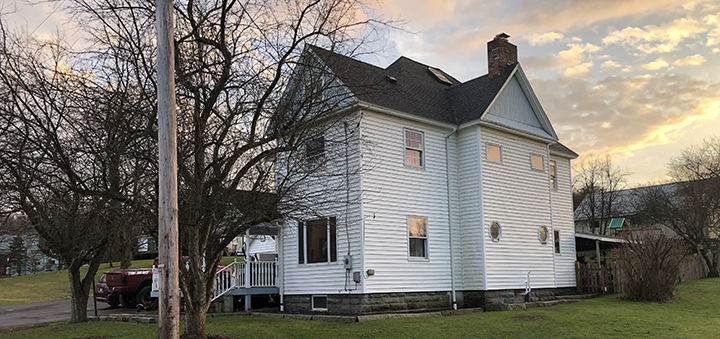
point(371, 303)
point(495, 300)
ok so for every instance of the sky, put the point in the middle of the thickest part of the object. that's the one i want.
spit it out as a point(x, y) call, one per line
point(638, 79)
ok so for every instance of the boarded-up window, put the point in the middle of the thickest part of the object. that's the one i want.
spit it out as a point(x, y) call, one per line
point(417, 231)
point(494, 152)
point(414, 148)
point(538, 162)
point(315, 151)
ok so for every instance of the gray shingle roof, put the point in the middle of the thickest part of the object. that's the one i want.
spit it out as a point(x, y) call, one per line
point(417, 91)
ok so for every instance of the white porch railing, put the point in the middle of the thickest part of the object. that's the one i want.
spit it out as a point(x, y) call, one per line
point(243, 274)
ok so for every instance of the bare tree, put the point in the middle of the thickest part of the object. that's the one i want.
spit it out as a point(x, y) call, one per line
point(598, 181)
point(67, 157)
point(690, 204)
point(234, 61)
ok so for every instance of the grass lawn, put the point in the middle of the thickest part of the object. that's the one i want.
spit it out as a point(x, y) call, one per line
point(695, 313)
point(55, 285)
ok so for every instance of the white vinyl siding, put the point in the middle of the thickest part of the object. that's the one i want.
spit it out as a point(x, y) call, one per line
point(391, 193)
point(519, 198)
point(323, 194)
point(470, 155)
point(562, 209)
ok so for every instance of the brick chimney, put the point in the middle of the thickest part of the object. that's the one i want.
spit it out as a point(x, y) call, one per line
point(501, 54)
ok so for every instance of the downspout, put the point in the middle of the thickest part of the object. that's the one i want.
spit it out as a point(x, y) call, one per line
point(450, 226)
point(281, 261)
point(362, 207)
point(552, 224)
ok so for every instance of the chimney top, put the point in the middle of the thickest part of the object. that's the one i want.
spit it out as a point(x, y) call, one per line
point(502, 36)
point(501, 53)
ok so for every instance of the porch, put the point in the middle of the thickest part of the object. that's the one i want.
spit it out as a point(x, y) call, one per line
point(244, 278)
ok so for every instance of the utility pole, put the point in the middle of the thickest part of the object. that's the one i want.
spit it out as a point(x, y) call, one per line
point(169, 310)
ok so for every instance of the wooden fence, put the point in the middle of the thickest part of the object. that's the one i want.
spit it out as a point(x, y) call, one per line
point(593, 278)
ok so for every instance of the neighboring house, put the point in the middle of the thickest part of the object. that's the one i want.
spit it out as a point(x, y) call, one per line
point(624, 214)
point(34, 261)
point(457, 193)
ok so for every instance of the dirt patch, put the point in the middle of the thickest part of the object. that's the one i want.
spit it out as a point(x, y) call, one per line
point(529, 318)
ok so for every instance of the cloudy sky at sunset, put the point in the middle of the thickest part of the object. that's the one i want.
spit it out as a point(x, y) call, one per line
point(637, 78)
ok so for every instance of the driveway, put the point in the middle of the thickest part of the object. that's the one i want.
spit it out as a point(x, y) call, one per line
point(50, 311)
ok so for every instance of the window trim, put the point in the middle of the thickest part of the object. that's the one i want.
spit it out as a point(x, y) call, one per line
point(312, 302)
point(421, 150)
point(487, 153)
point(303, 246)
point(542, 157)
point(426, 238)
point(556, 242)
point(553, 174)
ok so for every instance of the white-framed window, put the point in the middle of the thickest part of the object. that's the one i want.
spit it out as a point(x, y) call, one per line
point(553, 175)
point(417, 237)
point(315, 151)
point(495, 231)
point(537, 162)
point(317, 241)
point(543, 234)
point(414, 148)
point(319, 303)
point(556, 241)
point(494, 152)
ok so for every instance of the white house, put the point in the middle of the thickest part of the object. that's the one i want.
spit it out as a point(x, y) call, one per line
point(452, 194)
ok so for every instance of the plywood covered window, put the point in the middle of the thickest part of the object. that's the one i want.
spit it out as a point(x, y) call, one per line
point(317, 241)
point(494, 152)
point(537, 162)
point(417, 237)
point(553, 175)
point(414, 148)
point(315, 151)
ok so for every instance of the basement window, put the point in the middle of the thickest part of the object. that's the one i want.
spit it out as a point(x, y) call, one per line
point(319, 303)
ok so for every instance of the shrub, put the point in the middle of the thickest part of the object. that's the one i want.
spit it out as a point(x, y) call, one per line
point(651, 264)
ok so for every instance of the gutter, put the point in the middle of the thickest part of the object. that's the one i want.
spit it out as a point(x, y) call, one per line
point(450, 225)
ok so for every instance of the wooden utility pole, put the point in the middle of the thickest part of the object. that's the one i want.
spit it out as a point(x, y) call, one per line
point(169, 310)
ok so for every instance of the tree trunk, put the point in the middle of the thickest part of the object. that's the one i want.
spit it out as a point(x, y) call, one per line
point(78, 296)
point(195, 318)
point(711, 264)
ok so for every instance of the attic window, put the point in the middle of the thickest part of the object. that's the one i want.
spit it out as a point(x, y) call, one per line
point(436, 72)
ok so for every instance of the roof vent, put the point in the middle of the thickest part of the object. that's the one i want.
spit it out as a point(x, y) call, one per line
point(390, 79)
point(436, 72)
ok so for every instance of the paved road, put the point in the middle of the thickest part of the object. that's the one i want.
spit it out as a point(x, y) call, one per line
point(49, 311)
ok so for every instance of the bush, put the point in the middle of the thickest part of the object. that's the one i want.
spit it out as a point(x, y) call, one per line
point(651, 264)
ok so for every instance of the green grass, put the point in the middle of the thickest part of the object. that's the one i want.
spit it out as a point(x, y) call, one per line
point(55, 285)
point(694, 313)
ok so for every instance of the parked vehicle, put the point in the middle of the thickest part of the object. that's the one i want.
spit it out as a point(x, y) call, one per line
point(127, 287)
point(102, 293)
